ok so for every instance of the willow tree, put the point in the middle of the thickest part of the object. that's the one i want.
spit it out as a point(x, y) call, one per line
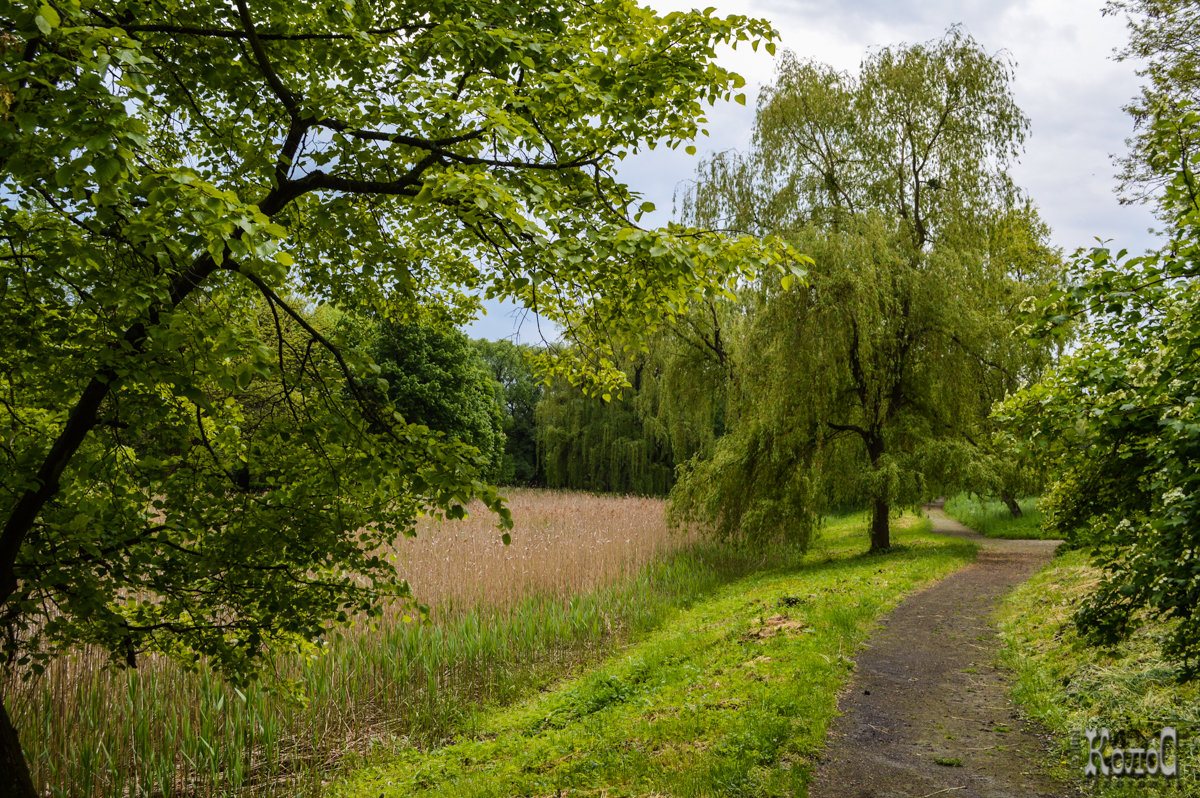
point(872, 382)
point(613, 445)
point(167, 168)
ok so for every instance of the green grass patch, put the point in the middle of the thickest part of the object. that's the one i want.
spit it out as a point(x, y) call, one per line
point(731, 697)
point(991, 517)
point(1070, 686)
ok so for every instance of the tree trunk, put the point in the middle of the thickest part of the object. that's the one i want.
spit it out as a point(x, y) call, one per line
point(1012, 505)
point(15, 781)
point(881, 539)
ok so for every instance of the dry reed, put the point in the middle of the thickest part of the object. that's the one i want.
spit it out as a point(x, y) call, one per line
point(563, 544)
point(504, 619)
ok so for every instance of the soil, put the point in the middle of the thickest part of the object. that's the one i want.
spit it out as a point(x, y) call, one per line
point(928, 712)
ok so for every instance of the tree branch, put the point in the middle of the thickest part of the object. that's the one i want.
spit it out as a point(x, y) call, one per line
point(436, 147)
point(264, 63)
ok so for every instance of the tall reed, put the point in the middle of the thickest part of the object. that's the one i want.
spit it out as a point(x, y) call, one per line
point(582, 572)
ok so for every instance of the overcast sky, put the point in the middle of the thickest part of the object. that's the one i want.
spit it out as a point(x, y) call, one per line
point(1067, 83)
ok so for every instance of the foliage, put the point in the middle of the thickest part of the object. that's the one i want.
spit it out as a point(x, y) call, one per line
point(520, 389)
point(993, 517)
point(871, 383)
point(1164, 40)
point(671, 715)
point(1119, 423)
point(436, 378)
point(167, 168)
point(1068, 685)
point(612, 446)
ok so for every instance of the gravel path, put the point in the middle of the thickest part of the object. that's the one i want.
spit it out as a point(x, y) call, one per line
point(928, 712)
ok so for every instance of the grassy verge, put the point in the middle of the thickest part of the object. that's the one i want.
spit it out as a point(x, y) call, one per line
point(1069, 686)
point(992, 518)
point(732, 697)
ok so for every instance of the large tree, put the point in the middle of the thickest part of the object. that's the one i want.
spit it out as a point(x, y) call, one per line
point(873, 381)
point(168, 170)
point(1118, 421)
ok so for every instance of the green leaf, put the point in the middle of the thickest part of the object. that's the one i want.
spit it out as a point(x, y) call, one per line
point(47, 12)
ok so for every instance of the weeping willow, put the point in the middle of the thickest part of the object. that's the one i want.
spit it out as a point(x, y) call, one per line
point(586, 443)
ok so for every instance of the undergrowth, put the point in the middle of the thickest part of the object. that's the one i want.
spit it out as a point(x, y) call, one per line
point(1070, 686)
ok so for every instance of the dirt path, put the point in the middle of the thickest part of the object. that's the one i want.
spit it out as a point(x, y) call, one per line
point(927, 689)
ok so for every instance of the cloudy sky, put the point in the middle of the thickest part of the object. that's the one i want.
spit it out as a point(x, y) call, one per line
point(1067, 82)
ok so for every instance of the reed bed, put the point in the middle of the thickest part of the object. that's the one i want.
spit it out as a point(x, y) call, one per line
point(582, 572)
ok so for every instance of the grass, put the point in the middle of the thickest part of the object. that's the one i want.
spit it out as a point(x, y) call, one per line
point(583, 573)
point(1069, 686)
point(731, 697)
point(991, 517)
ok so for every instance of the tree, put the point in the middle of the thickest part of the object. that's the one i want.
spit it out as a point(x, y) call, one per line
point(873, 381)
point(436, 378)
point(606, 445)
point(511, 368)
point(1164, 38)
point(168, 168)
point(1117, 423)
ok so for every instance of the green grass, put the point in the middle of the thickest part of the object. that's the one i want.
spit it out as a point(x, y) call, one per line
point(992, 518)
point(1069, 686)
point(731, 697)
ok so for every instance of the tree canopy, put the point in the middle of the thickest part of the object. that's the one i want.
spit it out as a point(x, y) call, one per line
point(873, 381)
point(171, 172)
point(436, 378)
point(511, 368)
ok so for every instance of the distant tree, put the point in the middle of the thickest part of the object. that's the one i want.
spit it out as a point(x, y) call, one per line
point(590, 443)
point(875, 379)
point(511, 367)
point(436, 378)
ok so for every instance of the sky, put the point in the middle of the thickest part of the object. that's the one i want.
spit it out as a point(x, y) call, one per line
point(1067, 82)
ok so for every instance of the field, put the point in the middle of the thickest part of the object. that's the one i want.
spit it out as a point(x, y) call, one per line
point(1070, 687)
point(582, 573)
point(992, 518)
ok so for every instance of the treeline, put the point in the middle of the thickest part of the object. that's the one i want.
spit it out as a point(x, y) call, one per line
point(863, 373)
point(529, 432)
